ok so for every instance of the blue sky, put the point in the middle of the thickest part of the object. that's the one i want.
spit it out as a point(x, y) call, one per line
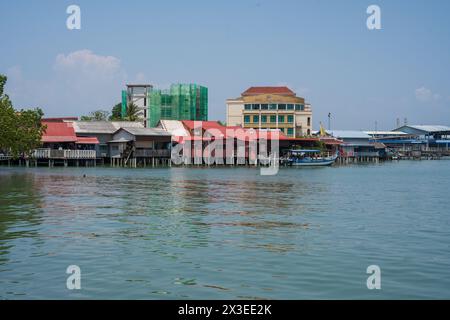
point(320, 49)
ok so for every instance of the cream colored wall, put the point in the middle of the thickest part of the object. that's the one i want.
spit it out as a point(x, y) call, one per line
point(234, 113)
point(235, 110)
point(301, 120)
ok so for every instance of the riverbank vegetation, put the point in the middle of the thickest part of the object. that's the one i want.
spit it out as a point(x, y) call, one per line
point(132, 114)
point(20, 130)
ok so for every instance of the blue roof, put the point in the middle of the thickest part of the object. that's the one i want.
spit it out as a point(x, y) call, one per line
point(401, 141)
point(426, 128)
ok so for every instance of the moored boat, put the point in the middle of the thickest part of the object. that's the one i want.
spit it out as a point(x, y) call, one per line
point(309, 158)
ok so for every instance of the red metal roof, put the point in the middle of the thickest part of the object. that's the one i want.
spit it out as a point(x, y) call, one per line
point(331, 141)
point(191, 124)
point(249, 134)
point(58, 132)
point(62, 119)
point(268, 90)
point(227, 132)
point(87, 140)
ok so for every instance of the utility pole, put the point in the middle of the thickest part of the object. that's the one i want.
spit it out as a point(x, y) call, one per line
point(329, 121)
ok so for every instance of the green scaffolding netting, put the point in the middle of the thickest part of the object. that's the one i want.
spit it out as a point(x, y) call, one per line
point(180, 102)
point(124, 104)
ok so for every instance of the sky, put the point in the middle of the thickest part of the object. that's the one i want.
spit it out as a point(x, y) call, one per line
point(323, 50)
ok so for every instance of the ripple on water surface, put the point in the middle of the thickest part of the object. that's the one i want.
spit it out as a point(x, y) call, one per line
point(226, 233)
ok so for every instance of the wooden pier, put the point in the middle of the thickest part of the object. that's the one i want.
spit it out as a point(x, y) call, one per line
point(423, 154)
point(359, 157)
point(51, 158)
point(143, 158)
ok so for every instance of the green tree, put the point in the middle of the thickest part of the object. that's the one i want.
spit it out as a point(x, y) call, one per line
point(132, 112)
point(116, 113)
point(7, 115)
point(20, 131)
point(3, 79)
point(98, 115)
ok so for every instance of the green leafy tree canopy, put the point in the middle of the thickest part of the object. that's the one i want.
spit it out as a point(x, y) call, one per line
point(132, 112)
point(98, 115)
point(116, 112)
point(20, 131)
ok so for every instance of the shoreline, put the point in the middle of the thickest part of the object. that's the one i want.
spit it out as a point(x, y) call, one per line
point(337, 164)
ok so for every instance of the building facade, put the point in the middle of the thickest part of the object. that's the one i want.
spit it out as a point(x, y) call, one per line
point(358, 146)
point(180, 102)
point(138, 95)
point(271, 108)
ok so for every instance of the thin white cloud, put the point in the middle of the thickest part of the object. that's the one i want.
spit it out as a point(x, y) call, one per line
point(424, 94)
point(80, 82)
point(88, 66)
point(88, 62)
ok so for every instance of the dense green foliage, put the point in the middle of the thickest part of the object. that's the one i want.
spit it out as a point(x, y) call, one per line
point(116, 113)
point(132, 112)
point(98, 115)
point(20, 131)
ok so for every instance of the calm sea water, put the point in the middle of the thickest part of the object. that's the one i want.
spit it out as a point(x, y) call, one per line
point(189, 233)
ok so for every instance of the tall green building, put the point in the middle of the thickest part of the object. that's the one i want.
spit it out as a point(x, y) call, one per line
point(180, 102)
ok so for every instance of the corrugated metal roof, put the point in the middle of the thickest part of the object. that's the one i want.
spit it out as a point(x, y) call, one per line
point(430, 128)
point(147, 132)
point(349, 134)
point(87, 140)
point(60, 119)
point(127, 124)
point(58, 132)
point(121, 140)
point(105, 127)
point(386, 133)
point(233, 132)
point(192, 124)
point(175, 127)
point(94, 127)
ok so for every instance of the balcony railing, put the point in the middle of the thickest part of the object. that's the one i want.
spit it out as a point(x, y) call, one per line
point(41, 154)
point(80, 154)
point(64, 154)
point(5, 157)
point(350, 154)
point(148, 153)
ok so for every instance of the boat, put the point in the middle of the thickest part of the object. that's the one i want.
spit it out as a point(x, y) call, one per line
point(311, 157)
